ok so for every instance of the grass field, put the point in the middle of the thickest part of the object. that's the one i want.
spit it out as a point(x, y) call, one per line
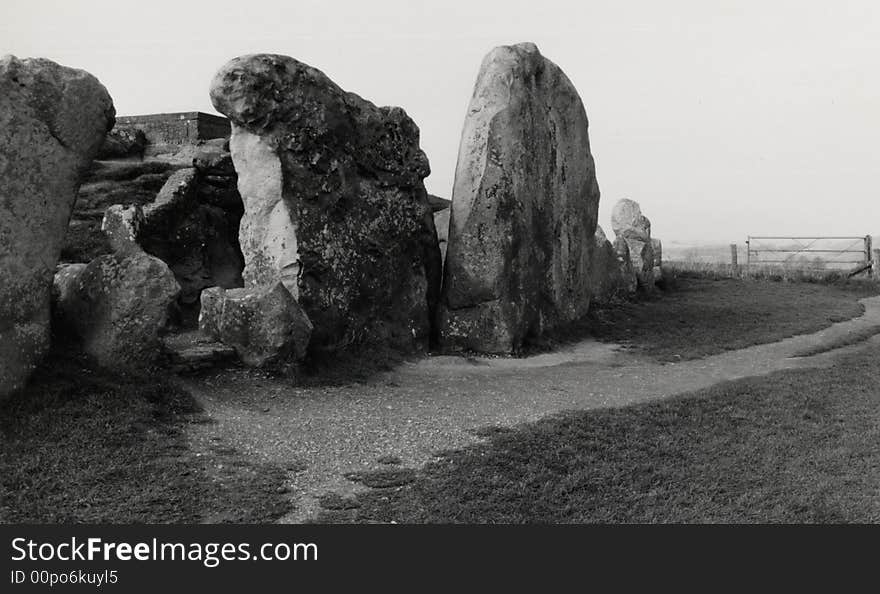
point(793, 447)
point(84, 445)
point(704, 316)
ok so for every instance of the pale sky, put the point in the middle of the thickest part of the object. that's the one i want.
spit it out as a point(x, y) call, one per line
point(722, 119)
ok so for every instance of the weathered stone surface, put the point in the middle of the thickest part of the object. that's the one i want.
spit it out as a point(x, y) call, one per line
point(192, 226)
point(633, 227)
point(657, 248)
point(121, 225)
point(627, 219)
point(628, 278)
point(63, 291)
point(611, 272)
point(52, 121)
point(263, 324)
point(335, 205)
point(524, 207)
point(119, 308)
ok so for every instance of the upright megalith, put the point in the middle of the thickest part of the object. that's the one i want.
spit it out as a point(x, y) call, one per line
point(611, 271)
point(630, 225)
point(335, 206)
point(524, 207)
point(53, 120)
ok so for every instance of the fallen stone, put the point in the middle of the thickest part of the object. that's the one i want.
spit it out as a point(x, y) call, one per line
point(335, 206)
point(192, 351)
point(524, 208)
point(264, 325)
point(118, 306)
point(53, 119)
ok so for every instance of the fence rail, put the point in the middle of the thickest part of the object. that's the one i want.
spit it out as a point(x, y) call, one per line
point(803, 252)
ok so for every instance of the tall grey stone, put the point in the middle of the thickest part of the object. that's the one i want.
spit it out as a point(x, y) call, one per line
point(335, 206)
point(612, 275)
point(524, 207)
point(53, 120)
point(630, 225)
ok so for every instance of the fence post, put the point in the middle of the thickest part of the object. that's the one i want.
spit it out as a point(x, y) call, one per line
point(749, 254)
point(875, 265)
point(734, 265)
point(868, 250)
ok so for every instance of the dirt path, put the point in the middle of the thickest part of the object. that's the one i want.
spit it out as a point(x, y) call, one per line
point(436, 403)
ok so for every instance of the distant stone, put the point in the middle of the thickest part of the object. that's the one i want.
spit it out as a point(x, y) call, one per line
point(123, 144)
point(657, 248)
point(119, 308)
point(264, 325)
point(335, 205)
point(524, 208)
point(611, 273)
point(627, 219)
point(628, 277)
point(53, 119)
point(633, 227)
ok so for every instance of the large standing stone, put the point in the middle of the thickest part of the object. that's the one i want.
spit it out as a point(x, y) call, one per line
point(524, 207)
point(118, 306)
point(53, 119)
point(634, 228)
point(263, 324)
point(335, 206)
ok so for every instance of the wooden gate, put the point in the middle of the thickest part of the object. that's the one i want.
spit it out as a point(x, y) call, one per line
point(812, 253)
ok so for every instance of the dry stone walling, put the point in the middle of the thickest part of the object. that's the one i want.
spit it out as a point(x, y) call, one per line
point(524, 207)
point(334, 203)
point(53, 120)
point(634, 228)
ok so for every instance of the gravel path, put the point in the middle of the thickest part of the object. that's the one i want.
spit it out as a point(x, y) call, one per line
point(436, 403)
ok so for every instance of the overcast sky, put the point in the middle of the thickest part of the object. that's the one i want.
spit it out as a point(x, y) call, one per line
point(722, 119)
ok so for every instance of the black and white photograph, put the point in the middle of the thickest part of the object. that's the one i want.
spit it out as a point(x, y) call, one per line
point(495, 262)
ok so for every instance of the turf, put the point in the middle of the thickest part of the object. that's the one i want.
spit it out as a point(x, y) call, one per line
point(84, 445)
point(849, 339)
point(792, 447)
point(701, 317)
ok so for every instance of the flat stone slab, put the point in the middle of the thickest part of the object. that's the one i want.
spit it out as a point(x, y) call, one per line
point(194, 351)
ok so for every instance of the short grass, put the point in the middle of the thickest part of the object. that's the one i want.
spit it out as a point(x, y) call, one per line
point(84, 445)
point(849, 339)
point(703, 316)
point(107, 183)
point(793, 447)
